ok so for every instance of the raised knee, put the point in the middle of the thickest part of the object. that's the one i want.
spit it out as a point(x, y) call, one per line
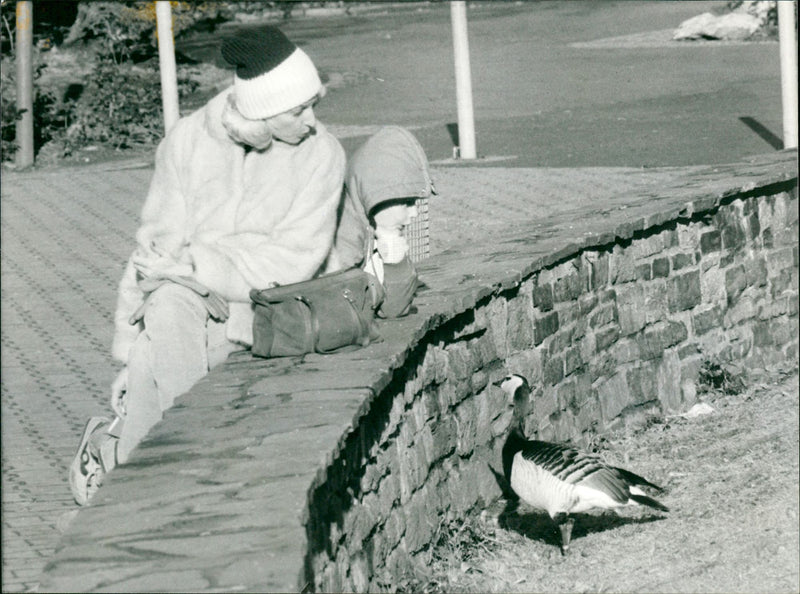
point(171, 303)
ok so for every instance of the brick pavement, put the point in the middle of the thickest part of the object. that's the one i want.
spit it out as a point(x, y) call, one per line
point(65, 237)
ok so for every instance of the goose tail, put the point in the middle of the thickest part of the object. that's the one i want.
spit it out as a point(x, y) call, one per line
point(648, 501)
point(635, 479)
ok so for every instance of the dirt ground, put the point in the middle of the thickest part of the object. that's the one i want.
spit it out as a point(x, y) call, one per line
point(731, 483)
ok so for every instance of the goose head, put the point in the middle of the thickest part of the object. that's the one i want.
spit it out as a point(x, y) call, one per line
point(519, 390)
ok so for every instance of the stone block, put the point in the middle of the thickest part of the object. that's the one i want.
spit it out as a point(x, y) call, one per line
point(598, 270)
point(360, 520)
point(497, 321)
point(413, 470)
point(602, 316)
point(388, 495)
point(568, 288)
point(444, 438)
point(587, 303)
point(786, 305)
point(647, 246)
point(754, 226)
point(446, 395)
point(756, 271)
point(767, 238)
point(589, 415)
point(688, 350)
point(661, 336)
point(707, 319)
point(605, 338)
point(462, 389)
point(712, 286)
point(710, 241)
point(744, 309)
point(572, 360)
point(394, 528)
point(631, 311)
point(661, 267)
point(466, 417)
point(520, 324)
point(553, 370)
point(626, 351)
point(560, 341)
point(781, 259)
point(735, 282)
point(644, 271)
point(785, 280)
point(563, 426)
point(668, 381)
point(546, 403)
point(429, 404)
point(359, 572)
point(544, 326)
point(682, 260)
point(689, 235)
point(683, 291)
point(730, 224)
point(459, 361)
point(587, 346)
point(543, 296)
point(484, 415)
point(642, 384)
point(621, 267)
point(568, 313)
point(483, 351)
point(655, 301)
point(371, 478)
point(421, 521)
point(567, 396)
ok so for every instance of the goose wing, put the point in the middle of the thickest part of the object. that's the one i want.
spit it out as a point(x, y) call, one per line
point(572, 466)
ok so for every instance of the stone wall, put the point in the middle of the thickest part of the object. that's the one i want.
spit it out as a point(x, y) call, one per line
point(606, 334)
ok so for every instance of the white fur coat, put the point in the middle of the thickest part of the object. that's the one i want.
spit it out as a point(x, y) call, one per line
point(242, 220)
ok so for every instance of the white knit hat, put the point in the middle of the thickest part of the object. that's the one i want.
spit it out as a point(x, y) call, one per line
point(273, 75)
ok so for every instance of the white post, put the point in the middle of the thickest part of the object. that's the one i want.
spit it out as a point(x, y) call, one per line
point(787, 30)
point(166, 60)
point(24, 48)
point(466, 121)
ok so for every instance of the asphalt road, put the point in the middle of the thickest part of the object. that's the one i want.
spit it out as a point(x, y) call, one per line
point(555, 84)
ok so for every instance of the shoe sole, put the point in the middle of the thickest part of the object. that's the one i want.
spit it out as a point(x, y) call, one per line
point(78, 482)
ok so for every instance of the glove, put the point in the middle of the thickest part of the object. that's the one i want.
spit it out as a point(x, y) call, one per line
point(217, 307)
point(392, 246)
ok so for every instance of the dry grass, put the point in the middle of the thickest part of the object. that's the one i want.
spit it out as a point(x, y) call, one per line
point(731, 481)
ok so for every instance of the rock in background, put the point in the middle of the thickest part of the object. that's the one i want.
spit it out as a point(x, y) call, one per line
point(745, 21)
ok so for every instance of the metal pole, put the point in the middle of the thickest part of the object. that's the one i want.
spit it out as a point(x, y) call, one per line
point(466, 120)
point(787, 30)
point(24, 127)
point(166, 60)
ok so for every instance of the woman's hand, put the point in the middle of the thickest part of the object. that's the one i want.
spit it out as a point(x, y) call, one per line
point(156, 265)
point(119, 392)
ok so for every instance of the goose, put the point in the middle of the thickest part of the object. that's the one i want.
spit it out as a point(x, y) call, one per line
point(561, 479)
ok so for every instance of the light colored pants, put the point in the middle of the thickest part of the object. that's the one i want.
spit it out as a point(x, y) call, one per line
point(179, 345)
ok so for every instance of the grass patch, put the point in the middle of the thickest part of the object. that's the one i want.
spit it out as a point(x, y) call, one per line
point(730, 479)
